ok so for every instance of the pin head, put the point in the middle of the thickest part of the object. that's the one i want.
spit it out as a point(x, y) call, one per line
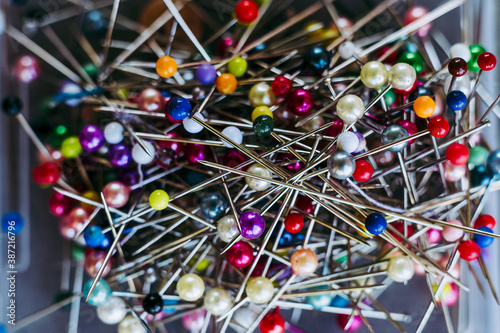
point(341, 165)
point(469, 250)
point(413, 59)
point(47, 173)
point(478, 155)
point(252, 224)
point(318, 59)
point(400, 269)
point(237, 66)
point(213, 205)
point(116, 194)
point(91, 138)
point(206, 74)
point(493, 163)
point(424, 106)
point(481, 240)
point(179, 108)
point(393, 133)
point(150, 100)
point(190, 287)
point(113, 132)
point(100, 294)
point(363, 171)
point(402, 76)
point(486, 61)
point(294, 222)
point(350, 108)
point(475, 51)
point(301, 102)
point(140, 156)
point(374, 74)
point(438, 127)
point(227, 228)
point(93, 236)
point(375, 223)
point(261, 94)
point(457, 67)
point(304, 262)
point(457, 154)
point(159, 199)
point(348, 142)
point(282, 86)
point(226, 84)
point(217, 301)
point(410, 127)
point(263, 126)
point(120, 155)
point(152, 303)
point(240, 254)
point(246, 11)
point(456, 100)
point(260, 290)
point(485, 220)
point(166, 67)
point(460, 50)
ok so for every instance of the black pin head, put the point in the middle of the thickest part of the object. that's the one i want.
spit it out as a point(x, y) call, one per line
point(12, 105)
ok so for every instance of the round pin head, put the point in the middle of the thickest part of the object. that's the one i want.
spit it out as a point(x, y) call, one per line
point(393, 133)
point(402, 76)
point(456, 100)
point(12, 105)
point(457, 67)
point(375, 223)
point(493, 163)
point(486, 61)
point(438, 127)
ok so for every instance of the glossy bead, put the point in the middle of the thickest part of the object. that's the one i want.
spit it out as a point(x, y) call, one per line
point(294, 222)
point(193, 322)
point(166, 67)
point(413, 59)
point(152, 303)
point(27, 68)
point(140, 156)
point(393, 133)
point(226, 84)
point(451, 234)
point(434, 236)
point(475, 51)
point(318, 59)
point(71, 224)
point(71, 147)
point(227, 228)
point(304, 262)
point(120, 155)
point(72, 94)
point(91, 138)
point(272, 322)
point(260, 290)
point(375, 223)
point(116, 194)
point(263, 126)
point(457, 154)
point(414, 13)
point(400, 269)
point(478, 155)
point(453, 173)
point(233, 158)
point(350, 108)
point(59, 204)
point(341, 165)
point(94, 236)
point(150, 100)
point(460, 50)
point(319, 301)
point(130, 324)
point(294, 164)
point(246, 11)
point(374, 74)
point(282, 86)
point(424, 107)
point(94, 259)
point(192, 126)
point(347, 49)
point(217, 301)
point(457, 67)
point(237, 67)
point(213, 205)
point(206, 74)
point(47, 173)
point(258, 184)
point(190, 287)
point(481, 240)
point(159, 199)
point(493, 163)
point(348, 142)
point(12, 105)
point(113, 132)
point(240, 254)
point(12, 222)
point(438, 127)
point(244, 317)
point(363, 171)
point(486, 61)
point(165, 158)
point(485, 220)
point(410, 127)
point(479, 176)
point(252, 224)
point(304, 204)
point(300, 102)
point(179, 108)
point(456, 100)
point(469, 250)
point(194, 153)
point(112, 311)
point(100, 294)
point(261, 94)
point(261, 111)
point(402, 76)
point(233, 133)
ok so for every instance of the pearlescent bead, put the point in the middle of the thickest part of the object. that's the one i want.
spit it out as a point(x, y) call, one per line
point(130, 324)
point(350, 108)
point(193, 322)
point(73, 223)
point(151, 100)
point(258, 184)
point(100, 294)
point(374, 74)
point(240, 255)
point(341, 165)
point(73, 92)
point(260, 290)
point(192, 126)
point(304, 262)
point(120, 155)
point(233, 133)
point(116, 194)
point(190, 287)
point(139, 154)
point(261, 111)
point(263, 126)
point(217, 301)
point(213, 205)
point(478, 155)
point(393, 133)
point(301, 102)
point(402, 76)
point(400, 269)
point(91, 138)
point(348, 142)
point(252, 224)
point(451, 234)
point(453, 173)
point(347, 50)
point(244, 317)
point(460, 50)
point(112, 311)
point(261, 94)
point(113, 132)
point(319, 300)
point(227, 228)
